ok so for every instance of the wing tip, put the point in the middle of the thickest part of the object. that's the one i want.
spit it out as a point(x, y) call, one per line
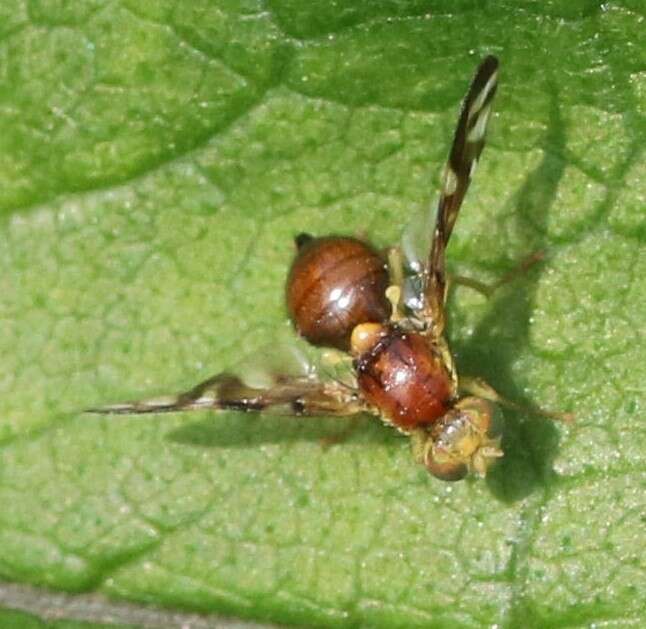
point(490, 62)
point(153, 405)
point(110, 409)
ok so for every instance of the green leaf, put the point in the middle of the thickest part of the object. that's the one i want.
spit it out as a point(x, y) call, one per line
point(15, 619)
point(156, 161)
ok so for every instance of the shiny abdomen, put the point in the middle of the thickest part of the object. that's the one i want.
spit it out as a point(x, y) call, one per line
point(405, 380)
point(336, 283)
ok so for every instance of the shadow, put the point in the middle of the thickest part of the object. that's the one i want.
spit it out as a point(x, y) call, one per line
point(529, 442)
point(248, 430)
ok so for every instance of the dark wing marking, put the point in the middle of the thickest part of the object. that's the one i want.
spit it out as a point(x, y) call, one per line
point(289, 395)
point(468, 143)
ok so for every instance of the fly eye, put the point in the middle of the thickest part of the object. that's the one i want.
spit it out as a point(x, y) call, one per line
point(445, 470)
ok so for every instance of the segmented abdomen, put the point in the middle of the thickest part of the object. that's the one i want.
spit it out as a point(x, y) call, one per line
point(405, 380)
point(336, 283)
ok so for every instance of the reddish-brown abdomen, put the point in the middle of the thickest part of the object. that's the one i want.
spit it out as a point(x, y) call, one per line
point(405, 380)
point(335, 283)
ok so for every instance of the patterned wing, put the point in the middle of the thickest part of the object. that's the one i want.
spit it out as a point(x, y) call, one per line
point(278, 379)
point(289, 395)
point(468, 143)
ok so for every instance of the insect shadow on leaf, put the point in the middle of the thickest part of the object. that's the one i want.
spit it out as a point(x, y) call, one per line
point(289, 356)
point(392, 357)
point(529, 443)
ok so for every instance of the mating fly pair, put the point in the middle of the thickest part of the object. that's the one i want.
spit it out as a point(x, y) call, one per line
point(386, 315)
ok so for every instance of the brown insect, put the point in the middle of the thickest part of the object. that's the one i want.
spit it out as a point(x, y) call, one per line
point(388, 315)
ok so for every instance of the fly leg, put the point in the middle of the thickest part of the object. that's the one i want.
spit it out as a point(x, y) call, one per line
point(395, 292)
point(488, 289)
point(343, 435)
point(479, 388)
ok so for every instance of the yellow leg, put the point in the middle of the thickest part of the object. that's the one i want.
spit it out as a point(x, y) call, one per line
point(488, 289)
point(418, 442)
point(395, 291)
point(342, 436)
point(479, 388)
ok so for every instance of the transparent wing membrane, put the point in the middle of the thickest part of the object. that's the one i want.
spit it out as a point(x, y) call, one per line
point(288, 396)
point(279, 378)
